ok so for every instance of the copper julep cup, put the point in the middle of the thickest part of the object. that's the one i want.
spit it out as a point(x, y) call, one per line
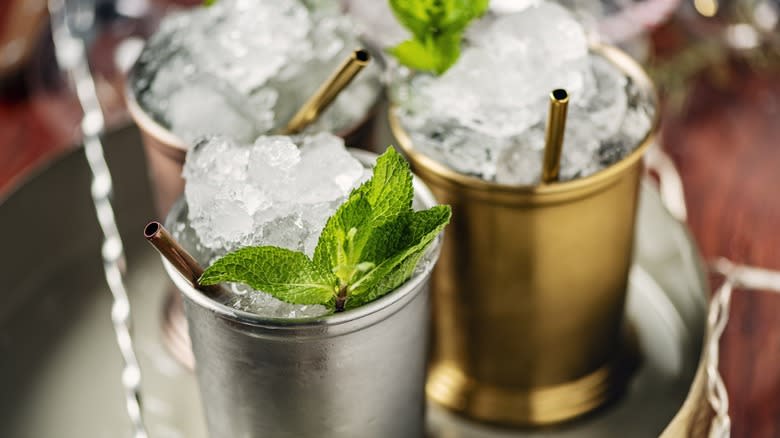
point(530, 288)
point(165, 151)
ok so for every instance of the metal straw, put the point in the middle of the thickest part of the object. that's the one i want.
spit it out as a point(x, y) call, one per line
point(181, 260)
point(327, 92)
point(553, 138)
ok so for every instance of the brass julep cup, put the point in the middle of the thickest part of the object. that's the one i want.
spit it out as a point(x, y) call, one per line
point(530, 288)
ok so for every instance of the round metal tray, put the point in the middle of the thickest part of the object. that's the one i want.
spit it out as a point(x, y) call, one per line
point(60, 366)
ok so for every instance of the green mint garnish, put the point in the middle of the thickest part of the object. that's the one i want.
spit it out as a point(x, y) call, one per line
point(209, 2)
point(285, 274)
point(369, 247)
point(437, 28)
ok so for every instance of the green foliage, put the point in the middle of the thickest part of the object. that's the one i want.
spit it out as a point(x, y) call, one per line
point(437, 28)
point(287, 275)
point(369, 247)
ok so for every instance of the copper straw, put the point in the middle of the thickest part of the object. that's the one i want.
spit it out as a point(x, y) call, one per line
point(553, 138)
point(181, 260)
point(328, 91)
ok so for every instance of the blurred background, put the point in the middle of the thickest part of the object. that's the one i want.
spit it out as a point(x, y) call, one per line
point(716, 65)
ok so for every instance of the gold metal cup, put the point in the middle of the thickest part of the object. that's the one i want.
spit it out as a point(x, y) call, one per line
point(530, 288)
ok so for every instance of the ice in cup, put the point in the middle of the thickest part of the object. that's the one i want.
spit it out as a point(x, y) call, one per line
point(485, 117)
point(242, 68)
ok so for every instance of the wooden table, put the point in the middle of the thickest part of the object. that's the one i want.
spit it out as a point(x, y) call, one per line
point(726, 145)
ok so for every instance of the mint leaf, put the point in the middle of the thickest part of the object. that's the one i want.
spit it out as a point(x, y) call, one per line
point(390, 190)
point(336, 242)
point(415, 54)
point(379, 200)
point(387, 239)
point(394, 279)
point(287, 275)
point(457, 14)
point(421, 228)
point(369, 247)
point(431, 54)
point(437, 28)
point(413, 15)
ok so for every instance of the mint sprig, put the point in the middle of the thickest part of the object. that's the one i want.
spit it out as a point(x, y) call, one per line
point(285, 274)
point(370, 246)
point(437, 28)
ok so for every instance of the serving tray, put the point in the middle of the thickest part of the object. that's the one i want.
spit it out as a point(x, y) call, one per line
point(60, 368)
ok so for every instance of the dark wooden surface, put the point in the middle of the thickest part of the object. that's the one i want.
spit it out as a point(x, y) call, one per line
point(725, 142)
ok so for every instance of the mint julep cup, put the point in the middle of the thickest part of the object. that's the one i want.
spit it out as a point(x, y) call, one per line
point(227, 69)
point(359, 373)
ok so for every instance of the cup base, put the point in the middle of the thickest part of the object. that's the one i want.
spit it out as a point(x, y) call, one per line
point(540, 406)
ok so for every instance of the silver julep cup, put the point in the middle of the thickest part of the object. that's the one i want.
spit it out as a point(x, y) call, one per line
point(360, 373)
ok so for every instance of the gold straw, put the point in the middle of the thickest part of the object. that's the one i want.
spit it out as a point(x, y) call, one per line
point(553, 138)
point(327, 92)
point(181, 260)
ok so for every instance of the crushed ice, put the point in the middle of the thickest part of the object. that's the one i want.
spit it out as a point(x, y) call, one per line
point(485, 116)
point(243, 67)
